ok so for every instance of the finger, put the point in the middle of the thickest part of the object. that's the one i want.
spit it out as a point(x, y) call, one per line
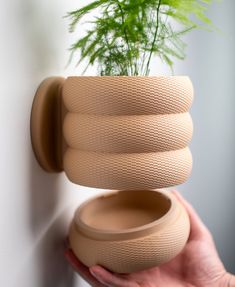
point(198, 228)
point(81, 269)
point(111, 279)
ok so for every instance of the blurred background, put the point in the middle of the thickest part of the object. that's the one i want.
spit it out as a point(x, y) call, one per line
point(36, 207)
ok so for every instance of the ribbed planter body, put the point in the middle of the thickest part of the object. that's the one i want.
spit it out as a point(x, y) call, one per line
point(127, 132)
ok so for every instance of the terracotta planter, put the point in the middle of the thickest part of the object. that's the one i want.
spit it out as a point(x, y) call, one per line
point(128, 231)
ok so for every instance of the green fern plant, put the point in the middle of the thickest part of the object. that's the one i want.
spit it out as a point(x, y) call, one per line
point(126, 34)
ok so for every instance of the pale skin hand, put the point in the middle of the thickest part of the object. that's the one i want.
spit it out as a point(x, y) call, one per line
point(198, 265)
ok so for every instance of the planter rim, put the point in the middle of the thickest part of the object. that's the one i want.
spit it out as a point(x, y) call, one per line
point(129, 233)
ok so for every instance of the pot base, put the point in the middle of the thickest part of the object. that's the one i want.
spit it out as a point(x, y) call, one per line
point(46, 124)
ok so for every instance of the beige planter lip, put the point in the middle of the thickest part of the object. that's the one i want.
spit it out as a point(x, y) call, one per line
point(130, 233)
point(127, 95)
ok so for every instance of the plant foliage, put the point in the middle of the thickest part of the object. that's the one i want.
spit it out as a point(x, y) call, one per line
point(127, 33)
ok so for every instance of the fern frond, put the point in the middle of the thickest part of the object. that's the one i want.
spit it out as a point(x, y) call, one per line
point(126, 34)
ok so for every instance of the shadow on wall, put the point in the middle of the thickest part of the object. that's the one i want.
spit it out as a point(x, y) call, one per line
point(47, 220)
point(48, 228)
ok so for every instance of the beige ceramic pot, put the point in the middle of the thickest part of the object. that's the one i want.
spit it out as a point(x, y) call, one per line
point(115, 132)
point(119, 133)
point(128, 231)
point(127, 132)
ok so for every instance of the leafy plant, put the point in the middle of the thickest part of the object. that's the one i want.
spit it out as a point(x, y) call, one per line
point(127, 33)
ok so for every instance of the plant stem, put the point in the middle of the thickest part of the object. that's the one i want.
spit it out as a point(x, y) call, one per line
point(154, 39)
point(125, 33)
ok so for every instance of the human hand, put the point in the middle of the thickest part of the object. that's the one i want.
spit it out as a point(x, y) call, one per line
point(198, 265)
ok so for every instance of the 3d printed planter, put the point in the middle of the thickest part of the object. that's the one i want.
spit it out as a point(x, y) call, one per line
point(121, 133)
point(128, 231)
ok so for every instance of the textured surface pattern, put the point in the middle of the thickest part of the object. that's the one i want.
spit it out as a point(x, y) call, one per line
point(128, 171)
point(136, 254)
point(128, 95)
point(128, 134)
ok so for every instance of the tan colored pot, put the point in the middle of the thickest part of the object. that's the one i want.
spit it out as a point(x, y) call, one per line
point(129, 231)
point(127, 132)
point(115, 132)
point(119, 133)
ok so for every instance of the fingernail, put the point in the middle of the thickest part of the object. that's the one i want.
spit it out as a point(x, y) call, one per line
point(96, 275)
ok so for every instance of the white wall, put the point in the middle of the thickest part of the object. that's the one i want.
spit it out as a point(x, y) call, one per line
point(210, 64)
point(35, 207)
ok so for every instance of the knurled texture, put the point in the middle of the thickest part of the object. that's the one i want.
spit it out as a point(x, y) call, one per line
point(128, 95)
point(128, 134)
point(136, 254)
point(128, 170)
